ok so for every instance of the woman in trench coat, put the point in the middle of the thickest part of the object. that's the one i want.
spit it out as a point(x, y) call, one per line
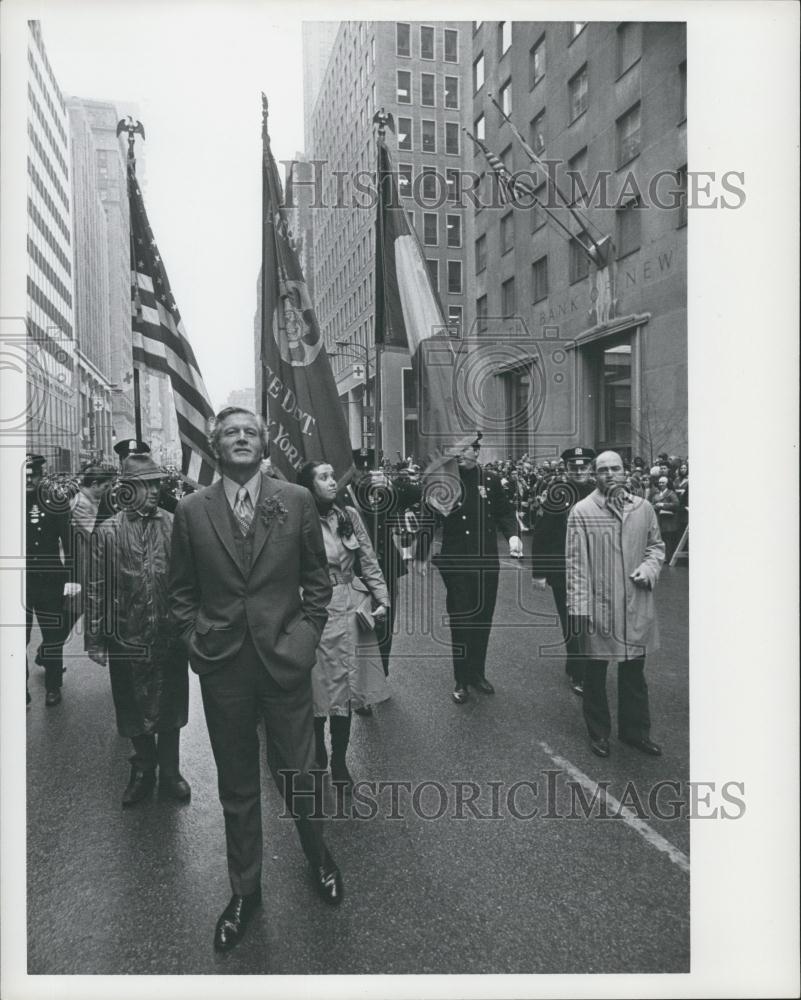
point(347, 674)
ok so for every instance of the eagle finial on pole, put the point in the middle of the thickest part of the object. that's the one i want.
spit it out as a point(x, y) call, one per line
point(132, 128)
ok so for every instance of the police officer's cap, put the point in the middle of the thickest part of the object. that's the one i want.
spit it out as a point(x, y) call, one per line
point(130, 446)
point(470, 441)
point(34, 462)
point(578, 456)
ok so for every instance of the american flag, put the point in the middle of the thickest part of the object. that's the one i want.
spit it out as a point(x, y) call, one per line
point(511, 190)
point(160, 344)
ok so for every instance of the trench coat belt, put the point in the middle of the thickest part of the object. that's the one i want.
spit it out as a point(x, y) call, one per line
point(338, 576)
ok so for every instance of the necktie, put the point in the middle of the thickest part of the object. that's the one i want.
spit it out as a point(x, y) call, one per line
point(243, 510)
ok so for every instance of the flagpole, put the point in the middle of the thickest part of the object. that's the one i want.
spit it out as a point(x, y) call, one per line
point(381, 121)
point(265, 140)
point(538, 162)
point(132, 128)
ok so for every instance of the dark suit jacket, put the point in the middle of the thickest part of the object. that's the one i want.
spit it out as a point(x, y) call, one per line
point(280, 598)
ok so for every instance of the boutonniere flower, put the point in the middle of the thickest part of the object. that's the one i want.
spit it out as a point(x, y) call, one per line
point(272, 509)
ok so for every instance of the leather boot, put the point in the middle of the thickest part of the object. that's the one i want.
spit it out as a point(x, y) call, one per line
point(320, 752)
point(340, 737)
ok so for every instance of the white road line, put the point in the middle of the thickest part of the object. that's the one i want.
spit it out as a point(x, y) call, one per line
point(630, 818)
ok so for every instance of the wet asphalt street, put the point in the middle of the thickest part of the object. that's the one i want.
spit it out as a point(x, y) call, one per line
point(139, 890)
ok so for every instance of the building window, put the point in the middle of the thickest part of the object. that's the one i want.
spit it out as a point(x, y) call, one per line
point(451, 45)
point(427, 90)
point(428, 136)
point(536, 135)
point(426, 42)
point(452, 137)
point(454, 321)
point(454, 277)
point(508, 302)
point(433, 272)
point(628, 136)
point(538, 216)
point(629, 45)
point(504, 37)
point(628, 229)
point(430, 229)
point(452, 92)
point(478, 74)
point(536, 63)
point(405, 179)
point(579, 261)
point(430, 183)
point(539, 279)
point(452, 179)
point(576, 28)
point(410, 217)
point(506, 96)
point(481, 314)
point(453, 225)
point(404, 92)
point(576, 171)
point(614, 399)
point(481, 253)
point(577, 91)
point(479, 127)
point(403, 39)
point(507, 232)
point(681, 197)
point(404, 133)
point(682, 92)
point(507, 158)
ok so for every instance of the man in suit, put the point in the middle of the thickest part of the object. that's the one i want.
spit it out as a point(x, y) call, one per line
point(468, 562)
point(548, 563)
point(249, 588)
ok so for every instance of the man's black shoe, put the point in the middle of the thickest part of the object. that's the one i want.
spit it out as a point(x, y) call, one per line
point(140, 785)
point(644, 745)
point(176, 786)
point(483, 685)
point(600, 746)
point(234, 919)
point(366, 710)
point(328, 881)
point(577, 688)
point(53, 698)
point(460, 694)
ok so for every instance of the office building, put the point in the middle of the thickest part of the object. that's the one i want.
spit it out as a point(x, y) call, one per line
point(53, 379)
point(572, 354)
point(418, 73)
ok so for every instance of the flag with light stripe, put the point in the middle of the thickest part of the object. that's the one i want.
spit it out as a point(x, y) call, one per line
point(408, 313)
point(160, 344)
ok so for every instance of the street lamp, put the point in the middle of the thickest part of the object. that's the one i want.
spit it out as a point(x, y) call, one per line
point(346, 347)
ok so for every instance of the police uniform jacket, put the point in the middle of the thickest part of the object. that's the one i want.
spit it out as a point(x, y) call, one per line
point(551, 530)
point(47, 541)
point(470, 531)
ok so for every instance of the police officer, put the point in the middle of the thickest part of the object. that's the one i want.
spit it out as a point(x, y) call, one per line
point(468, 562)
point(548, 565)
point(49, 576)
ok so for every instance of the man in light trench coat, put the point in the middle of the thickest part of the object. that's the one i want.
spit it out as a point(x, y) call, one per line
point(614, 555)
